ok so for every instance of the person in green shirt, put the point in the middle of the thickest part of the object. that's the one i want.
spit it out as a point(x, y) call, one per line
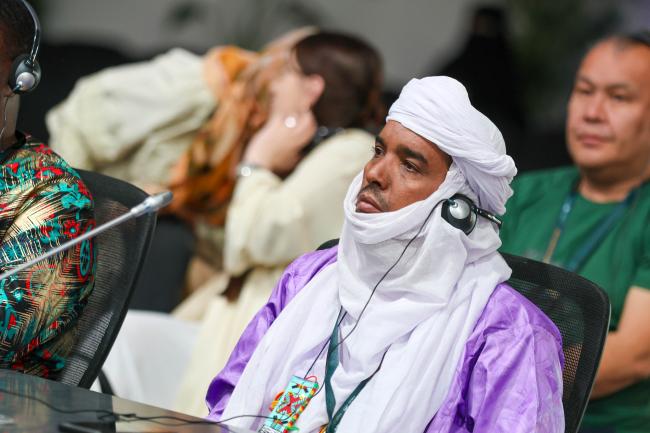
point(594, 219)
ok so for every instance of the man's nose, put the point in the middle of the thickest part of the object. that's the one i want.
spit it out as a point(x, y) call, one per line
point(594, 110)
point(377, 172)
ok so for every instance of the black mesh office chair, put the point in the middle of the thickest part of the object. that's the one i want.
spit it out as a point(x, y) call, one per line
point(121, 251)
point(581, 311)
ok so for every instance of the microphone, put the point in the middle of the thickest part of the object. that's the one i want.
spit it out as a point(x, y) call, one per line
point(152, 203)
point(148, 205)
point(489, 216)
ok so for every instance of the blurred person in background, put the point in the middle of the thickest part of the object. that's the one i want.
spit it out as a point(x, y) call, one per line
point(287, 200)
point(134, 122)
point(179, 121)
point(593, 219)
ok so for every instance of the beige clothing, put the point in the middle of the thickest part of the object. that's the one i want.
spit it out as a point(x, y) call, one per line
point(270, 223)
point(134, 121)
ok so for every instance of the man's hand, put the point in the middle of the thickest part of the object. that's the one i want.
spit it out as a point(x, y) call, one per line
point(277, 145)
point(626, 358)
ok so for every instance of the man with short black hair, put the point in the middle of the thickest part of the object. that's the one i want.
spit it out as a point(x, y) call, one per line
point(43, 203)
point(594, 218)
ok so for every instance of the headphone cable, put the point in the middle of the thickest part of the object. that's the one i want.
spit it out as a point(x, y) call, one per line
point(388, 271)
point(133, 417)
point(4, 120)
point(372, 293)
point(104, 415)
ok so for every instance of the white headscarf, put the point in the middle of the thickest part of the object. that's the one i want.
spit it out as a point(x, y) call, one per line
point(420, 317)
point(438, 109)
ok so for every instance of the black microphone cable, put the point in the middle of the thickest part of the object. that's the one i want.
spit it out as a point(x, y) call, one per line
point(372, 293)
point(374, 289)
point(111, 416)
point(105, 415)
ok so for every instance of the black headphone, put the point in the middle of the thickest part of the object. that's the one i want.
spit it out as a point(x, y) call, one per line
point(461, 212)
point(25, 70)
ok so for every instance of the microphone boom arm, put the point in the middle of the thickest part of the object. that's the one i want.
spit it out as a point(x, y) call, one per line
point(150, 204)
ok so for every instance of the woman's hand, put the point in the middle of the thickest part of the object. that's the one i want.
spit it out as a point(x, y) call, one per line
point(152, 188)
point(278, 144)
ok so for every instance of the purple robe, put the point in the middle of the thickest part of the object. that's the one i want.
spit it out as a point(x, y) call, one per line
point(509, 378)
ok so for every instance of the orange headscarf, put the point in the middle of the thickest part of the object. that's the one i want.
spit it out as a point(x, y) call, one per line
point(204, 179)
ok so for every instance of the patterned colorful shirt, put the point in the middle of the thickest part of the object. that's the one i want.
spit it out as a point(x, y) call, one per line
point(43, 203)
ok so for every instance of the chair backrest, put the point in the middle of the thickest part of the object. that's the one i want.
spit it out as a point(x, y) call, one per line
point(121, 251)
point(580, 310)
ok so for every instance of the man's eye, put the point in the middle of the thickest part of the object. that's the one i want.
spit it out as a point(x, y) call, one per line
point(377, 150)
point(582, 90)
point(619, 97)
point(409, 166)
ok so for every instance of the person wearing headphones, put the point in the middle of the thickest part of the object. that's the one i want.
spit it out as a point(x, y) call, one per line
point(43, 203)
point(594, 218)
point(407, 325)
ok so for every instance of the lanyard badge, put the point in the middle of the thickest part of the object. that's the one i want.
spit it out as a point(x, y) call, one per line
point(288, 405)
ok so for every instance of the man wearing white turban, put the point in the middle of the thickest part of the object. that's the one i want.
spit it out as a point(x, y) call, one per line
point(407, 325)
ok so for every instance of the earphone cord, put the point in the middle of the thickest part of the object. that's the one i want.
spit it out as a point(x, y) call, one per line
point(388, 271)
point(178, 421)
point(372, 293)
point(4, 121)
point(111, 416)
point(126, 417)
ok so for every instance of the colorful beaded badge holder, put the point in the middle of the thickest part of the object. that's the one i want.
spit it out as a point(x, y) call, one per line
point(288, 405)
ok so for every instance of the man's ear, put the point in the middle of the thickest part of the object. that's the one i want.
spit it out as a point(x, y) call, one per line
point(315, 87)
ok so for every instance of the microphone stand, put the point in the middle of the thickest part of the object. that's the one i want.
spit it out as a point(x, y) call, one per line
point(150, 204)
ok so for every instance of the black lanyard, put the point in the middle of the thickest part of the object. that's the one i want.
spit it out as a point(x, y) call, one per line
point(603, 227)
point(331, 364)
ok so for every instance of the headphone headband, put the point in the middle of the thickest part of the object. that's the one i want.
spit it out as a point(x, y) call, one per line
point(25, 70)
point(36, 43)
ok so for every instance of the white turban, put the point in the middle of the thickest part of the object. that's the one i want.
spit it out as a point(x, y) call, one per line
point(438, 109)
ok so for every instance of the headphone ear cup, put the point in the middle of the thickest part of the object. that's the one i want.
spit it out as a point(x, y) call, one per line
point(459, 212)
point(25, 75)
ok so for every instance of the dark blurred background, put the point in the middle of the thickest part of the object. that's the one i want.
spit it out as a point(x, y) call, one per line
point(516, 57)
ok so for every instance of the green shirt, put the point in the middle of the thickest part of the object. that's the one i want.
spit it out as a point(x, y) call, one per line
point(621, 260)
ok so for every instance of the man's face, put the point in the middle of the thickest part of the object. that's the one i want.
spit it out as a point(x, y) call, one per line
point(405, 168)
point(608, 123)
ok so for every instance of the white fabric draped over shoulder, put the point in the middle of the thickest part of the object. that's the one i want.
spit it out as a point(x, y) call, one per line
point(439, 109)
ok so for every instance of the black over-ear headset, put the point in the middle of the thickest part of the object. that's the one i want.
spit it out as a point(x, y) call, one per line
point(462, 213)
point(25, 70)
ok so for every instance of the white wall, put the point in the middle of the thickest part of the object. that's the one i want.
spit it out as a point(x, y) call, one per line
point(411, 34)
